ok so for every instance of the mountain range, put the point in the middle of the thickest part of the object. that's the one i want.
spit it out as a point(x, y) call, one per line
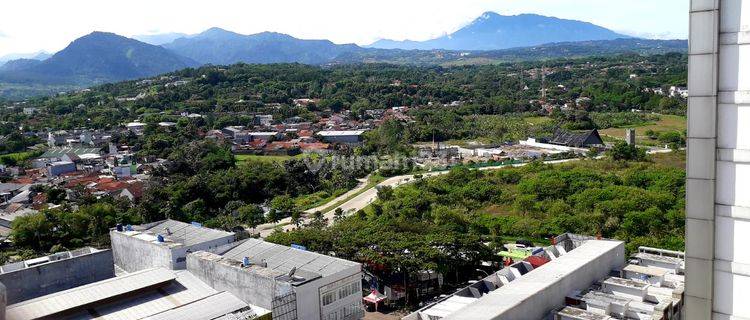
point(102, 57)
point(492, 31)
point(221, 47)
point(96, 58)
point(40, 55)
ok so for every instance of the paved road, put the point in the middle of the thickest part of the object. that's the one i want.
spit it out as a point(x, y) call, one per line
point(365, 198)
point(368, 196)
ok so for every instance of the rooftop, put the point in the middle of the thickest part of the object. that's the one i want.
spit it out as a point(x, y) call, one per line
point(11, 267)
point(495, 303)
point(59, 152)
point(283, 258)
point(176, 233)
point(580, 314)
point(153, 293)
point(342, 133)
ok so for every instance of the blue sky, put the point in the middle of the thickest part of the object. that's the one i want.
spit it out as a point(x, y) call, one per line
point(33, 25)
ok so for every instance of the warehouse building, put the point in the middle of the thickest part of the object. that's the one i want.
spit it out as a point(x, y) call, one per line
point(292, 282)
point(156, 294)
point(347, 137)
point(163, 244)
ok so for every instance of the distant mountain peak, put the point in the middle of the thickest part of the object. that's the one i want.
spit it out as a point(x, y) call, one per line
point(216, 32)
point(488, 15)
point(493, 31)
point(99, 57)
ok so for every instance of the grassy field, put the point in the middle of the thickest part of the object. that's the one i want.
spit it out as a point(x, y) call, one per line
point(21, 156)
point(666, 123)
point(313, 200)
point(674, 159)
point(537, 120)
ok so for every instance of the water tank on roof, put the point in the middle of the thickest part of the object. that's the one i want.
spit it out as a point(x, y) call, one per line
point(118, 227)
point(159, 238)
point(246, 261)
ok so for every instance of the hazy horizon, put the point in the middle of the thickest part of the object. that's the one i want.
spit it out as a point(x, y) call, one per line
point(26, 29)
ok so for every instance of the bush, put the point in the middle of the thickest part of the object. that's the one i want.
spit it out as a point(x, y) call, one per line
point(624, 151)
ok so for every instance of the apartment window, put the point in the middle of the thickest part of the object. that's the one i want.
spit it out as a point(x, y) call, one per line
point(329, 297)
point(349, 289)
point(333, 316)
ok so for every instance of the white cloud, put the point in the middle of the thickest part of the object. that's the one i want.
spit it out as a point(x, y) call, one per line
point(342, 21)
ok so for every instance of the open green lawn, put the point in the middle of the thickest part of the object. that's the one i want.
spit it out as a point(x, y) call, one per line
point(21, 156)
point(537, 120)
point(666, 123)
point(674, 159)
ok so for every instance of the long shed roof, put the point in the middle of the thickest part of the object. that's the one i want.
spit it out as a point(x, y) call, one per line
point(283, 258)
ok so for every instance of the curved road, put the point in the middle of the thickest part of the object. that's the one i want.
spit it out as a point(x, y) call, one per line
point(368, 196)
point(365, 198)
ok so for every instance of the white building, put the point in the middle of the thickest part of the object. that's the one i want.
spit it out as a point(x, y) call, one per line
point(136, 127)
point(295, 283)
point(347, 136)
point(163, 244)
point(155, 294)
point(521, 292)
point(717, 262)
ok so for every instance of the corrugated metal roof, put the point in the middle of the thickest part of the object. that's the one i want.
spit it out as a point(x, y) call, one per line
point(183, 297)
point(87, 295)
point(341, 133)
point(185, 289)
point(208, 308)
point(283, 258)
point(186, 233)
point(59, 152)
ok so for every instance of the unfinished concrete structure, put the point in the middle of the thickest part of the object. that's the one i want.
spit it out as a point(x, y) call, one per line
point(148, 294)
point(630, 136)
point(64, 270)
point(718, 161)
point(163, 244)
point(294, 283)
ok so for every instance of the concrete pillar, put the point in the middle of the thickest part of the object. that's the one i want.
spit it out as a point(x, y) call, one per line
point(718, 164)
point(630, 136)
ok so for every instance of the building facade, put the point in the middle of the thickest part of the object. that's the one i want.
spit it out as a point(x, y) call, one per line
point(293, 283)
point(163, 244)
point(718, 161)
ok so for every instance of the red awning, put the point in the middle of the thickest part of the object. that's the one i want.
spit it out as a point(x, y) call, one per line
point(374, 297)
point(536, 261)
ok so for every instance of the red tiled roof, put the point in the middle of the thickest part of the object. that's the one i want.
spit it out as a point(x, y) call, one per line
point(314, 146)
point(23, 180)
point(136, 189)
point(82, 181)
point(111, 186)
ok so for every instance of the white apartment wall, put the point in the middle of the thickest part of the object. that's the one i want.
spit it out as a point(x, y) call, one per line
point(179, 254)
point(133, 254)
point(718, 170)
point(309, 295)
